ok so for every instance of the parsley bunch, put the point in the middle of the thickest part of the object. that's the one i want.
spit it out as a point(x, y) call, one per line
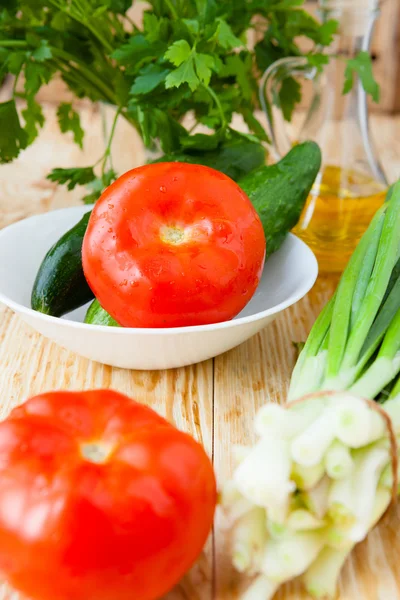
point(189, 56)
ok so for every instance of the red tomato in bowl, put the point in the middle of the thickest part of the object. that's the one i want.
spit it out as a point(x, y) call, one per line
point(173, 244)
point(100, 498)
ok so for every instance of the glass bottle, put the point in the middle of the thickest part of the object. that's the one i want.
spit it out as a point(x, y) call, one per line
point(351, 184)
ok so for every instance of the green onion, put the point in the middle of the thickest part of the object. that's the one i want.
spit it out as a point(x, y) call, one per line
point(361, 318)
point(321, 474)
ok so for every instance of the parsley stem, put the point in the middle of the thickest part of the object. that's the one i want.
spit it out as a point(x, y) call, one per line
point(86, 72)
point(218, 105)
point(80, 17)
point(13, 44)
point(107, 152)
point(172, 9)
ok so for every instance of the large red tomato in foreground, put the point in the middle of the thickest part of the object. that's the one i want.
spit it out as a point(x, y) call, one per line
point(173, 244)
point(100, 499)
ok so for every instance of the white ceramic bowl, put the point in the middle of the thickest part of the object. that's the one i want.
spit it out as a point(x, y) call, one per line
point(288, 275)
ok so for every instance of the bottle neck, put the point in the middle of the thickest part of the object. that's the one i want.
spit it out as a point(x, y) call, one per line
point(356, 19)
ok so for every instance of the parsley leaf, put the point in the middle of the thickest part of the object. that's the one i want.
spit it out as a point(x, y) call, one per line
point(73, 176)
point(155, 28)
point(15, 62)
point(204, 65)
point(34, 118)
point(98, 185)
point(12, 137)
point(183, 74)
point(254, 124)
point(289, 96)
point(42, 52)
point(68, 120)
point(36, 74)
point(149, 78)
point(236, 67)
point(133, 54)
point(318, 60)
point(362, 66)
point(326, 32)
point(178, 53)
point(225, 36)
point(193, 67)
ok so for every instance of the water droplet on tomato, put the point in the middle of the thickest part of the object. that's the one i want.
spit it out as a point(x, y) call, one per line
point(244, 292)
point(163, 189)
point(133, 283)
point(175, 178)
point(110, 230)
point(111, 206)
point(124, 282)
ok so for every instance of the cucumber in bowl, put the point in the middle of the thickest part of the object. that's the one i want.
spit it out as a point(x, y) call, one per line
point(96, 315)
point(60, 285)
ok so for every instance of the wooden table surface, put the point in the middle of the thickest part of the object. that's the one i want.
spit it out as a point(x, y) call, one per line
point(216, 400)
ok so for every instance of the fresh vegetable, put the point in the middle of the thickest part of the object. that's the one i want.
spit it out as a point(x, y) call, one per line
point(362, 318)
point(237, 157)
point(279, 192)
point(96, 315)
point(183, 59)
point(324, 468)
point(60, 285)
point(99, 498)
point(173, 244)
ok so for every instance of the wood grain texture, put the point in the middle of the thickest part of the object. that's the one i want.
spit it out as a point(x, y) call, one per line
point(216, 400)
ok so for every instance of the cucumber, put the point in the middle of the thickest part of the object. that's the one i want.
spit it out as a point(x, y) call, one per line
point(236, 158)
point(60, 285)
point(96, 315)
point(279, 192)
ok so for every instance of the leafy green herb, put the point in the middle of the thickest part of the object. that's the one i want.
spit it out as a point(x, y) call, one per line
point(68, 120)
point(187, 57)
point(72, 177)
point(12, 137)
point(98, 185)
point(362, 66)
point(34, 118)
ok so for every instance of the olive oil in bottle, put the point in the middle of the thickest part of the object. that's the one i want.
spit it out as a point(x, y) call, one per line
point(337, 213)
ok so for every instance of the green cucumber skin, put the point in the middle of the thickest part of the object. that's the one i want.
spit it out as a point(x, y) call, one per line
point(235, 159)
point(96, 315)
point(279, 192)
point(60, 285)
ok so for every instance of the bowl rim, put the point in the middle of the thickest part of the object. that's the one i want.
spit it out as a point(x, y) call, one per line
point(306, 285)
